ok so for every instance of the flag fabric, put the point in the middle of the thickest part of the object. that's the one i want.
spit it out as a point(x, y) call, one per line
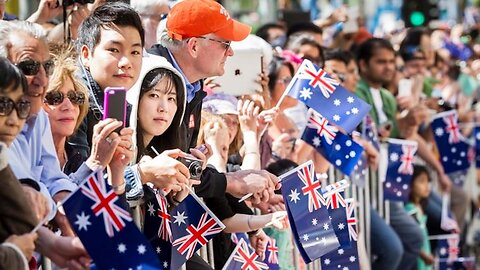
point(369, 132)
point(338, 148)
point(244, 258)
point(106, 229)
point(462, 263)
point(237, 236)
point(154, 220)
point(336, 205)
point(447, 247)
point(450, 142)
point(400, 169)
point(476, 133)
point(342, 258)
point(314, 87)
point(192, 227)
point(271, 254)
point(308, 216)
point(359, 174)
point(352, 219)
point(345, 258)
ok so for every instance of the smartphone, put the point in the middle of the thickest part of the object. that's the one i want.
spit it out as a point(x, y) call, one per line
point(405, 87)
point(115, 104)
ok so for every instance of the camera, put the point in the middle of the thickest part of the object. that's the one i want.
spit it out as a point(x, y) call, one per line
point(67, 3)
point(194, 166)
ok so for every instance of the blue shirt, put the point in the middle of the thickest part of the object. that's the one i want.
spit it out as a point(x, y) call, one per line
point(192, 88)
point(32, 155)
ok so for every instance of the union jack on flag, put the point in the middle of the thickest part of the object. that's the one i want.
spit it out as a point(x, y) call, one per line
point(351, 219)
point(406, 166)
point(324, 129)
point(332, 194)
point(272, 251)
point(164, 230)
point(114, 216)
point(193, 226)
point(314, 87)
point(244, 258)
point(311, 187)
point(317, 78)
point(452, 128)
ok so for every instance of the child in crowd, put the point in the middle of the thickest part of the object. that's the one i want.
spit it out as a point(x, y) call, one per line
point(419, 192)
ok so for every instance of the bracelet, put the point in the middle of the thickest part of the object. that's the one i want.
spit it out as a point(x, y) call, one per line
point(255, 153)
point(120, 188)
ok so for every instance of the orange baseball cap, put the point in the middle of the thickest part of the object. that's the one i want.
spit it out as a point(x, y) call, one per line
point(194, 18)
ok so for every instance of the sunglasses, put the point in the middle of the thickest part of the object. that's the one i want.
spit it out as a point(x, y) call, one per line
point(56, 97)
point(30, 67)
point(7, 105)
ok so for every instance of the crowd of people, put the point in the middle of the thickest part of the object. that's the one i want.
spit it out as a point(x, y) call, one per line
point(53, 134)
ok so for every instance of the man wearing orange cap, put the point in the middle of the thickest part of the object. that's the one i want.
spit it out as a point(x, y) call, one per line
point(197, 42)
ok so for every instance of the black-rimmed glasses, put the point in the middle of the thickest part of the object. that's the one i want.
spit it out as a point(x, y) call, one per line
point(7, 105)
point(31, 67)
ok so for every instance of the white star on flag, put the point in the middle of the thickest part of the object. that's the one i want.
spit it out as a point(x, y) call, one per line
point(151, 209)
point(326, 261)
point(352, 258)
point(294, 196)
point(325, 226)
point(355, 110)
point(121, 248)
point(341, 251)
point(324, 241)
point(314, 222)
point(165, 264)
point(337, 102)
point(82, 221)
point(180, 218)
point(350, 99)
point(141, 249)
point(336, 118)
point(305, 237)
point(439, 132)
point(394, 157)
point(158, 250)
point(306, 93)
point(316, 141)
point(341, 226)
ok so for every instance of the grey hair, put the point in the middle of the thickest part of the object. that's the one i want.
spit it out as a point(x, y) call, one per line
point(7, 28)
point(170, 43)
point(145, 6)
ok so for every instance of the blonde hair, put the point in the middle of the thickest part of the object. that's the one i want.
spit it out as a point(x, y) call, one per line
point(66, 68)
point(208, 117)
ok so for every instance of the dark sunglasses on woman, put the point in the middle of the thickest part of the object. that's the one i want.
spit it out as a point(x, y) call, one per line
point(31, 67)
point(56, 97)
point(7, 105)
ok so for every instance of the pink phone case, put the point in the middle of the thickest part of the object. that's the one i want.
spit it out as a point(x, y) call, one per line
point(115, 104)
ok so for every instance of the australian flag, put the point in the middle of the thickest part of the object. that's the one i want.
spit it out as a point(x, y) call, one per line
point(369, 131)
point(450, 142)
point(307, 213)
point(338, 148)
point(244, 258)
point(271, 251)
point(447, 247)
point(192, 227)
point(314, 87)
point(344, 258)
point(157, 226)
point(106, 229)
point(336, 204)
point(400, 169)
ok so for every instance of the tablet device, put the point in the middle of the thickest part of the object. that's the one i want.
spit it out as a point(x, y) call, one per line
point(242, 70)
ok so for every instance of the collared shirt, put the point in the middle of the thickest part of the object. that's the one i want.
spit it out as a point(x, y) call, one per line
point(192, 88)
point(32, 155)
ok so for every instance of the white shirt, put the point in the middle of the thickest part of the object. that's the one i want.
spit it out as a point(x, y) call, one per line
point(378, 103)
